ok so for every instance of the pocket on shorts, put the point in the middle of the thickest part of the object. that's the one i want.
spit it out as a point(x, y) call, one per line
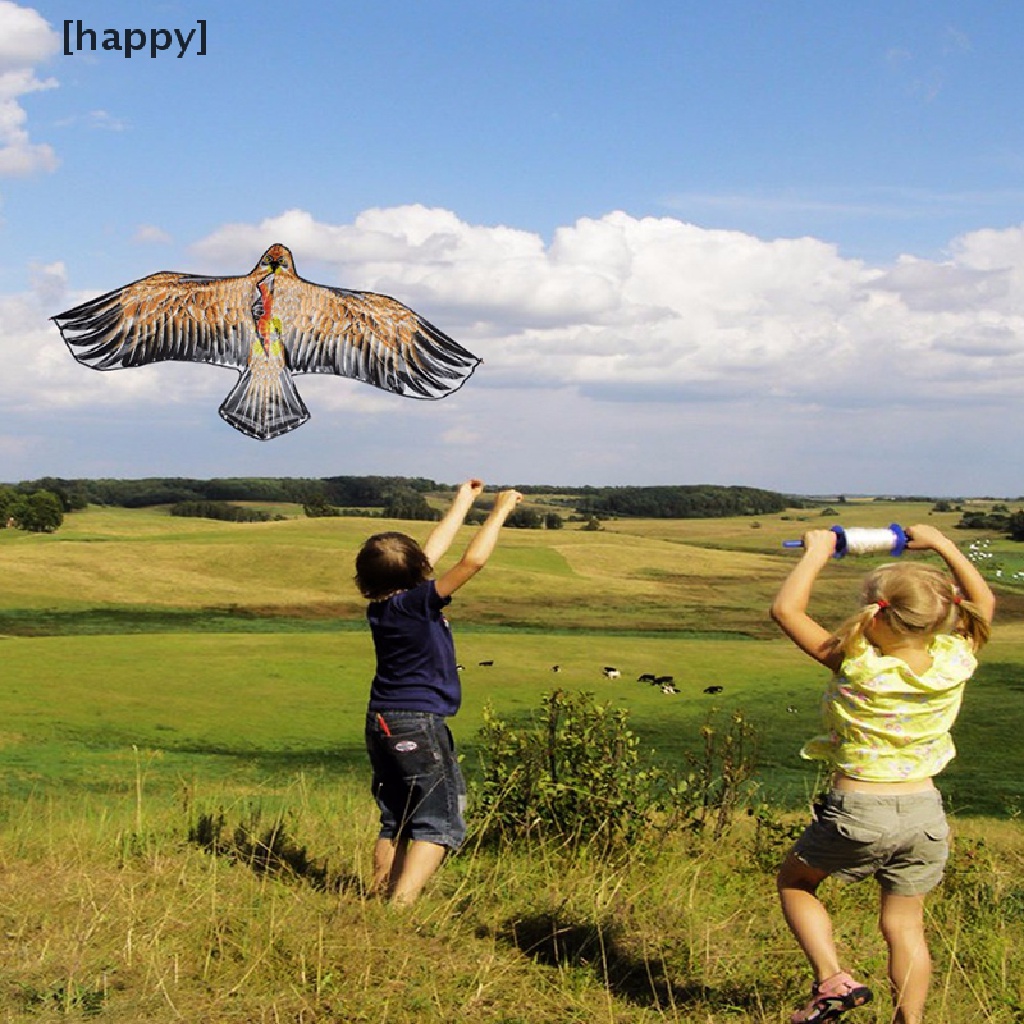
point(938, 832)
point(413, 749)
point(849, 826)
point(856, 832)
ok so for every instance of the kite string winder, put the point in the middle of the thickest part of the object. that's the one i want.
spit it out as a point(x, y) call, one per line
point(856, 540)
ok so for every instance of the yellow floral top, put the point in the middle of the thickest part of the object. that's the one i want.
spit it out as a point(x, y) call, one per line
point(886, 724)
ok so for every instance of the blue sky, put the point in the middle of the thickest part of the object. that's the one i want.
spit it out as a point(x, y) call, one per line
point(768, 244)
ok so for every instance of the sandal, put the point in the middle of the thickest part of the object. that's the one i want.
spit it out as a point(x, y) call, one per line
point(831, 998)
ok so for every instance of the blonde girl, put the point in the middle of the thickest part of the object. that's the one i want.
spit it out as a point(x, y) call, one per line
point(899, 668)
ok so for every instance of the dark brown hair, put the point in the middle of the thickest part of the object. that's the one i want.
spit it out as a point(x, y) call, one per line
point(389, 562)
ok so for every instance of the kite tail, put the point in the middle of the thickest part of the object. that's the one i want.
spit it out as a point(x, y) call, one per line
point(264, 403)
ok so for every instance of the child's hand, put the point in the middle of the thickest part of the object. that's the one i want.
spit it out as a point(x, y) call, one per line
point(471, 489)
point(924, 538)
point(506, 501)
point(820, 543)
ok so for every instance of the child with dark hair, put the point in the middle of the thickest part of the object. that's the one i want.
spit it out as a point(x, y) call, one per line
point(900, 665)
point(416, 777)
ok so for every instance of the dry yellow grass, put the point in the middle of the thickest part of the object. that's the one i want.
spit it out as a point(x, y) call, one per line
point(692, 575)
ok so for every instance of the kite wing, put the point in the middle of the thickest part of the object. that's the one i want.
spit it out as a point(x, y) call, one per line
point(182, 317)
point(369, 337)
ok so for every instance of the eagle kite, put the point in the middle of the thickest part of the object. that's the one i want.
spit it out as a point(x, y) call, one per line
point(269, 325)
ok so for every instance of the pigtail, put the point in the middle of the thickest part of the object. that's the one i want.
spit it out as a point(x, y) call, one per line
point(971, 623)
point(915, 600)
point(851, 633)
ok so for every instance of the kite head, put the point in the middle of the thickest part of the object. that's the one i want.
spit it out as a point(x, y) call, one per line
point(277, 257)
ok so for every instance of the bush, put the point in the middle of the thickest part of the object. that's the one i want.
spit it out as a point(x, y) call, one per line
point(573, 773)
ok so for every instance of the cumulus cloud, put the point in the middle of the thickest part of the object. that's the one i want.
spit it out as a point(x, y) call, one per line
point(626, 307)
point(607, 344)
point(25, 41)
point(627, 338)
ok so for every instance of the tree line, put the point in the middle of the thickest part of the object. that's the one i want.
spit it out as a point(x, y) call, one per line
point(222, 510)
point(696, 501)
point(409, 495)
point(40, 505)
point(998, 519)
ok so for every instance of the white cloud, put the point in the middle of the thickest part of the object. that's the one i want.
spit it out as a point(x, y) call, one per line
point(150, 234)
point(105, 121)
point(25, 41)
point(620, 303)
point(630, 340)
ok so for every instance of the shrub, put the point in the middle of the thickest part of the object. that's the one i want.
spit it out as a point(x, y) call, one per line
point(573, 773)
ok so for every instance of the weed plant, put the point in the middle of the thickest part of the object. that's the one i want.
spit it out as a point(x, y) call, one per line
point(575, 773)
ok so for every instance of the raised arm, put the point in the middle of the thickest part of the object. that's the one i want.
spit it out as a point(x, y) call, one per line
point(971, 583)
point(480, 547)
point(442, 535)
point(789, 609)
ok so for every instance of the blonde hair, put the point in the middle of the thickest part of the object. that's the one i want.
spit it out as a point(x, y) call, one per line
point(915, 600)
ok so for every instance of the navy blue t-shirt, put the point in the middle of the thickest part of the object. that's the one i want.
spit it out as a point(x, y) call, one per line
point(416, 668)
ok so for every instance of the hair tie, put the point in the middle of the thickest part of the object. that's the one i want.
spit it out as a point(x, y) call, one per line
point(882, 604)
point(957, 599)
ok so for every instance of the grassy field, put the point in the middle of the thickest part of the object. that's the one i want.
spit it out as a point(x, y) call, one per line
point(244, 644)
point(159, 668)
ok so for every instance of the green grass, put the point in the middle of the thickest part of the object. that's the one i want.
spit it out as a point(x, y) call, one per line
point(244, 645)
point(267, 705)
point(157, 670)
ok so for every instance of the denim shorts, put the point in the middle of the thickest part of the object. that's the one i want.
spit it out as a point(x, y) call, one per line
point(417, 782)
point(902, 841)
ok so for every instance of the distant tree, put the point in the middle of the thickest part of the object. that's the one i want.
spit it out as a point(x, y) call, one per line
point(942, 506)
point(408, 504)
point(318, 508)
point(525, 519)
point(39, 512)
point(71, 493)
point(681, 502)
point(221, 510)
point(552, 521)
point(985, 521)
point(1016, 526)
point(592, 525)
point(7, 498)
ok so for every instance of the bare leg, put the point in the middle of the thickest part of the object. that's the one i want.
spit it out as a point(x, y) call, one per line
point(806, 916)
point(388, 857)
point(910, 965)
point(421, 859)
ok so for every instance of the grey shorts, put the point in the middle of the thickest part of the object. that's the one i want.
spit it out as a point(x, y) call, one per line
point(902, 841)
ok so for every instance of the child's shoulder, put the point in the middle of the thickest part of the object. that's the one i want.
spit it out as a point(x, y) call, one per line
point(953, 648)
point(421, 596)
